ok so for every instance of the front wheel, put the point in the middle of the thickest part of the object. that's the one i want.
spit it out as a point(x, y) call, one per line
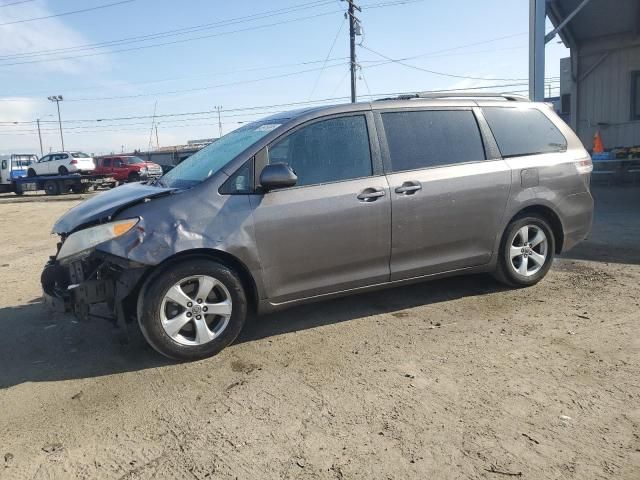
point(192, 310)
point(526, 251)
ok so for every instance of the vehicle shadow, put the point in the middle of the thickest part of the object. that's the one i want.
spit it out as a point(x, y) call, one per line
point(391, 300)
point(37, 345)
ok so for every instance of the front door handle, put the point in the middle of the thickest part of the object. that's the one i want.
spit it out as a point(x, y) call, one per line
point(371, 194)
point(409, 188)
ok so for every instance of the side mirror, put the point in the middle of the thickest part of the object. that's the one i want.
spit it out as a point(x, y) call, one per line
point(277, 175)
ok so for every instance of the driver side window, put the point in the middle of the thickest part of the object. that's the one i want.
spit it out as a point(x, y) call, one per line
point(326, 151)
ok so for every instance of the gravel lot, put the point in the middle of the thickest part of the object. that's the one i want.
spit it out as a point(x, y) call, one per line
point(457, 378)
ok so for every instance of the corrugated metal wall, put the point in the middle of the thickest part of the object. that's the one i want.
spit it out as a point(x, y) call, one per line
point(604, 97)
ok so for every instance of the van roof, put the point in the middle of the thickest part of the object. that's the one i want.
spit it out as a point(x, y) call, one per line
point(458, 99)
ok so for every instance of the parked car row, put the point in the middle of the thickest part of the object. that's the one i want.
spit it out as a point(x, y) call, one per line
point(123, 168)
point(59, 172)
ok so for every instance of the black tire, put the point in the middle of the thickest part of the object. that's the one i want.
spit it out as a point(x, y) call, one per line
point(154, 291)
point(31, 173)
point(506, 271)
point(133, 177)
point(18, 191)
point(51, 187)
point(80, 189)
point(63, 171)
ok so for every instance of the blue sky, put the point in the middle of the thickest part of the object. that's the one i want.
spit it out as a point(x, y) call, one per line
point(253, 54)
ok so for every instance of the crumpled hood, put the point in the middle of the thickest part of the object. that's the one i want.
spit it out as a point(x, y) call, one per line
point(102, 206)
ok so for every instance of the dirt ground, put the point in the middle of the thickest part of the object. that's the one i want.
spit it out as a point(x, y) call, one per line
point(453, 379)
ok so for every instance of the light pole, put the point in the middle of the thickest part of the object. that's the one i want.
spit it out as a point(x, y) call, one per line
point(58, 99)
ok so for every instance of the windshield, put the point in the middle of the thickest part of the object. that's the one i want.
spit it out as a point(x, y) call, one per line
point(134, 160)
point(208, 161)
point(18, 161)
point(79, 155)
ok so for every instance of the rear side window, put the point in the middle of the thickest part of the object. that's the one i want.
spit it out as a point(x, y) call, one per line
point(326, 151)
point(106, 162)
point(523, 131)
point(432, 138)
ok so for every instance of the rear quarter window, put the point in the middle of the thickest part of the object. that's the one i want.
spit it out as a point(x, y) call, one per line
point(523, 131)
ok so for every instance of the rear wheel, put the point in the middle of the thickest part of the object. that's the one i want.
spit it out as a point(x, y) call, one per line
point(526, 251)
point(51, 187)
point(193, 309)
point(63, 170)
point(31, 172)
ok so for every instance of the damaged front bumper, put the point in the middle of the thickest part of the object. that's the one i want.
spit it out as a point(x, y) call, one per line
point(98, 278)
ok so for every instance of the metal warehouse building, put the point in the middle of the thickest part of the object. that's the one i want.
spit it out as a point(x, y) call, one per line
point(600, 82)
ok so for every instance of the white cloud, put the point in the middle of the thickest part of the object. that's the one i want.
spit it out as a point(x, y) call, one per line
point(49, 34)
point(17, 109)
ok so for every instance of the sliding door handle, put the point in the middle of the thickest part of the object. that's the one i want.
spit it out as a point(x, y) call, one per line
point(409, 188)
point(371, 194)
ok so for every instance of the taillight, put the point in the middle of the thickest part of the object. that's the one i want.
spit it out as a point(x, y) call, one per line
point(585, 165)
point(73, 162)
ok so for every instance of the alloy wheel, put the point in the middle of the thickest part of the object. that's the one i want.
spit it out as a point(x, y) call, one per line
point(196, 310)
point(528, 250)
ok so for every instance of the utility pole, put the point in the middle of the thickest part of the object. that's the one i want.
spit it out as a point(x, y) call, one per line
point(58, 99)
point(537, 17)
point(40, 137)
point(354, 27)
point(153, 121)
point(157, 142)
point(218, 108)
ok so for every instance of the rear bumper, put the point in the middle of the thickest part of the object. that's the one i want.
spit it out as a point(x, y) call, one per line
point(577, 217)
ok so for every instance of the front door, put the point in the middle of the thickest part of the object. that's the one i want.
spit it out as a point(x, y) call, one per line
point(331, 232)
point(120, 169)
point(41, 167)
point(448, 199)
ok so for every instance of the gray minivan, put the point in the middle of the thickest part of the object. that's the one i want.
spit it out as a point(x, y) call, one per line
point(322, 202)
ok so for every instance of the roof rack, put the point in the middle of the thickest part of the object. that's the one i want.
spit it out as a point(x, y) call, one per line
point(434, 95)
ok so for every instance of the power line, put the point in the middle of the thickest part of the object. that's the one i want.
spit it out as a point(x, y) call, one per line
point(261, 107)
point(173, 32)
point(208, 87)
point(443, 74)
point(333, 44)
point(174, 42)
point(162, 35)
point(15, 3)
point(230, 72)
point(375, 63)
point(25, 20)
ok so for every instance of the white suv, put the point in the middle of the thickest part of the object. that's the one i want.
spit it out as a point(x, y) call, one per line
point(62, 163)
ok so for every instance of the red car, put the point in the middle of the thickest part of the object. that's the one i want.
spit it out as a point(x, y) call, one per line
point(127, 168)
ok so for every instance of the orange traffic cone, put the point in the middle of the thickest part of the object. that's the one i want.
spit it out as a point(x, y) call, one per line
point(597, 143)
